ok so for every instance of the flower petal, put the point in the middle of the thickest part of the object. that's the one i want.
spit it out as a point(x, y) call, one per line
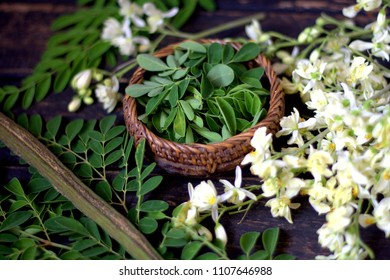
point(238, 180)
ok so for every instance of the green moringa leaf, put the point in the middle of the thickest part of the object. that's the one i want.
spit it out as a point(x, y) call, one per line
point(207, 5)
point(154, 206)
point(193, 46)
point(214, 53)
point(206, 133)
point(206, 88)
point(14, 219)
point(227, 53)
point(148, 225)
point(150, 185)
point(189, 135)
point(220, 75)
point(43, 88)
point(228, 115)
point(252, 77)
point(191, 250)
point(15, 187)
point(53, 125)
point(186, 10)
point(173, 95)
point(138, 90)
point(170, 118)
point(188, 111)
point(179, 125)
point(247, 52)
point(270, 239)
point(139, 153)
point(172, 61)
point(154, 102)
point(248, 241)
point(28, 97)
point(151, 63)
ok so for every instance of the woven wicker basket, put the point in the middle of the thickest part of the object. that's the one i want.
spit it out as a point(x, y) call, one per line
point(203, 159)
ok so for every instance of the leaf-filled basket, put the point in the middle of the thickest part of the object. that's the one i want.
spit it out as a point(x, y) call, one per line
point(198, 159)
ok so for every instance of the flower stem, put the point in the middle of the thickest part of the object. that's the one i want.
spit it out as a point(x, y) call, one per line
point(41, 240)
point(124, 68)
point(315, 139)
point(208, 32)
point(338, 23)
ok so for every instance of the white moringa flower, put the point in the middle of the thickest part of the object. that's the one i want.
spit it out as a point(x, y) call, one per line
point(81, 83)
point(295, 126)
point(188, 215)
point(82, 80)
point(379, 45)
point(352, 249)
point(380, 24)
point(285, 187)
point(367, 5)
point(339, 218)
point(359, 70)
point(318, 162)
point(330, 239)
point(203, 231)
point(112, 29)
point(254, 32)
point(280, 206)
point(235, 194)
point(366, 220)
point(309, 34)
point(309, 73)
point(382, 215)
point(318, 100)
point(204, 197)
point(261, 141)
point(318, 194)
point(107, 93)
point(128, 45)
point(287, 63)
point(75, 104)
point(220, 233)
point(156, 17)
point(132, 11)
point(121, 36)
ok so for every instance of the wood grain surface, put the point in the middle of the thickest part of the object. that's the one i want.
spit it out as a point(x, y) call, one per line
point(25, 29)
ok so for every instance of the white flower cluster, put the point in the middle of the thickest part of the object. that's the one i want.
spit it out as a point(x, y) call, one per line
point(380, 42)
point(204, 199)
point(121, 33)
point(106, 90)
point(345, 146)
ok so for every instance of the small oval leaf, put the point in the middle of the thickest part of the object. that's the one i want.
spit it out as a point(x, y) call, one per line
point(151, 63)
point(220, 75)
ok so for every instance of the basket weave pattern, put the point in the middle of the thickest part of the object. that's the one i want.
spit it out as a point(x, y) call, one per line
point(203, 159)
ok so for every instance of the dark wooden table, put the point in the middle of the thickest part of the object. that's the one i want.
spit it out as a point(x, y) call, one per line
point(25, 29)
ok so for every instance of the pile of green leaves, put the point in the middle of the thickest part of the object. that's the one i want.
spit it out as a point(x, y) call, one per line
point(201, 92)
